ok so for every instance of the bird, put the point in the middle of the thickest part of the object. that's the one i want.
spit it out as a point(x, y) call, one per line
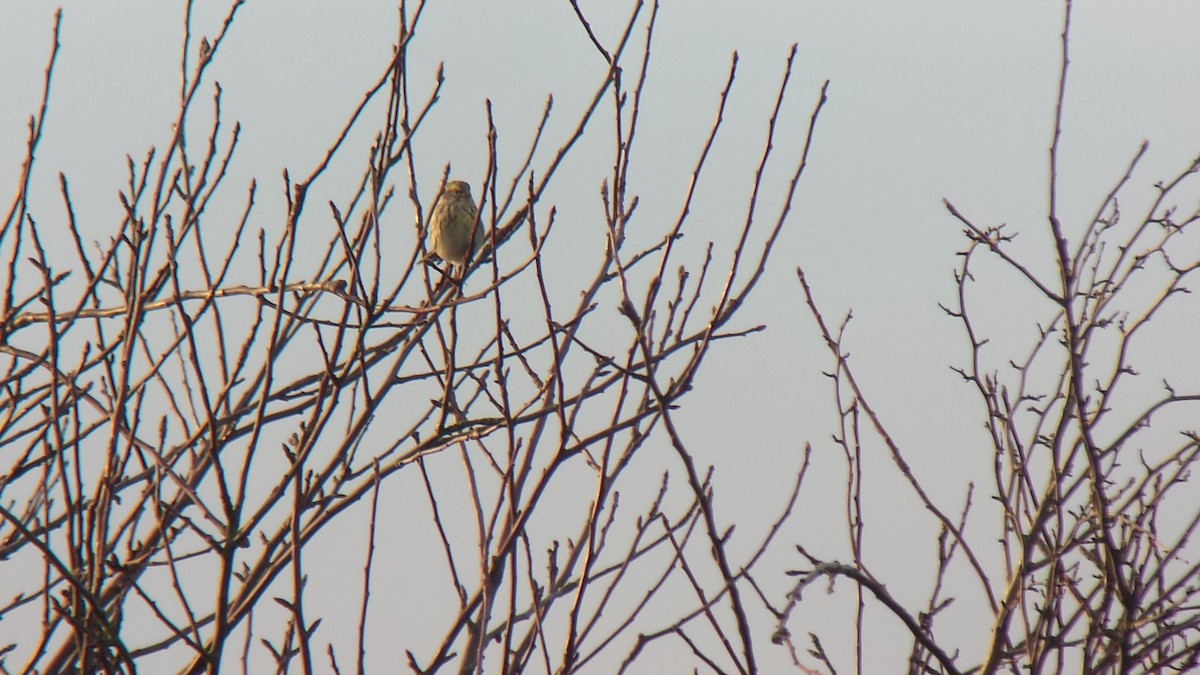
point(453, 232)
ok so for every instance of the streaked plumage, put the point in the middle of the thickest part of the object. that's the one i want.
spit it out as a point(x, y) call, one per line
point(451, 224)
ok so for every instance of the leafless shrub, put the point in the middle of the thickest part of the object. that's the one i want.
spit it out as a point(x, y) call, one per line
point(1089, 563)
point(192, 405)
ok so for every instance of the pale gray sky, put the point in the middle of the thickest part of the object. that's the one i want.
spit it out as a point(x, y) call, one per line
point(928, 100)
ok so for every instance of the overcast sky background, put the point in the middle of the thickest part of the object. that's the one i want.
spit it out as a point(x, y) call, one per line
point(928, 100)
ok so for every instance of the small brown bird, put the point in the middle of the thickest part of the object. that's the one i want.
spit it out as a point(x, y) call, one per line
point(452, 229)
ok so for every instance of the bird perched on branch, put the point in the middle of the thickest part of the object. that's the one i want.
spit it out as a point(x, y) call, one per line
point(453, 234)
